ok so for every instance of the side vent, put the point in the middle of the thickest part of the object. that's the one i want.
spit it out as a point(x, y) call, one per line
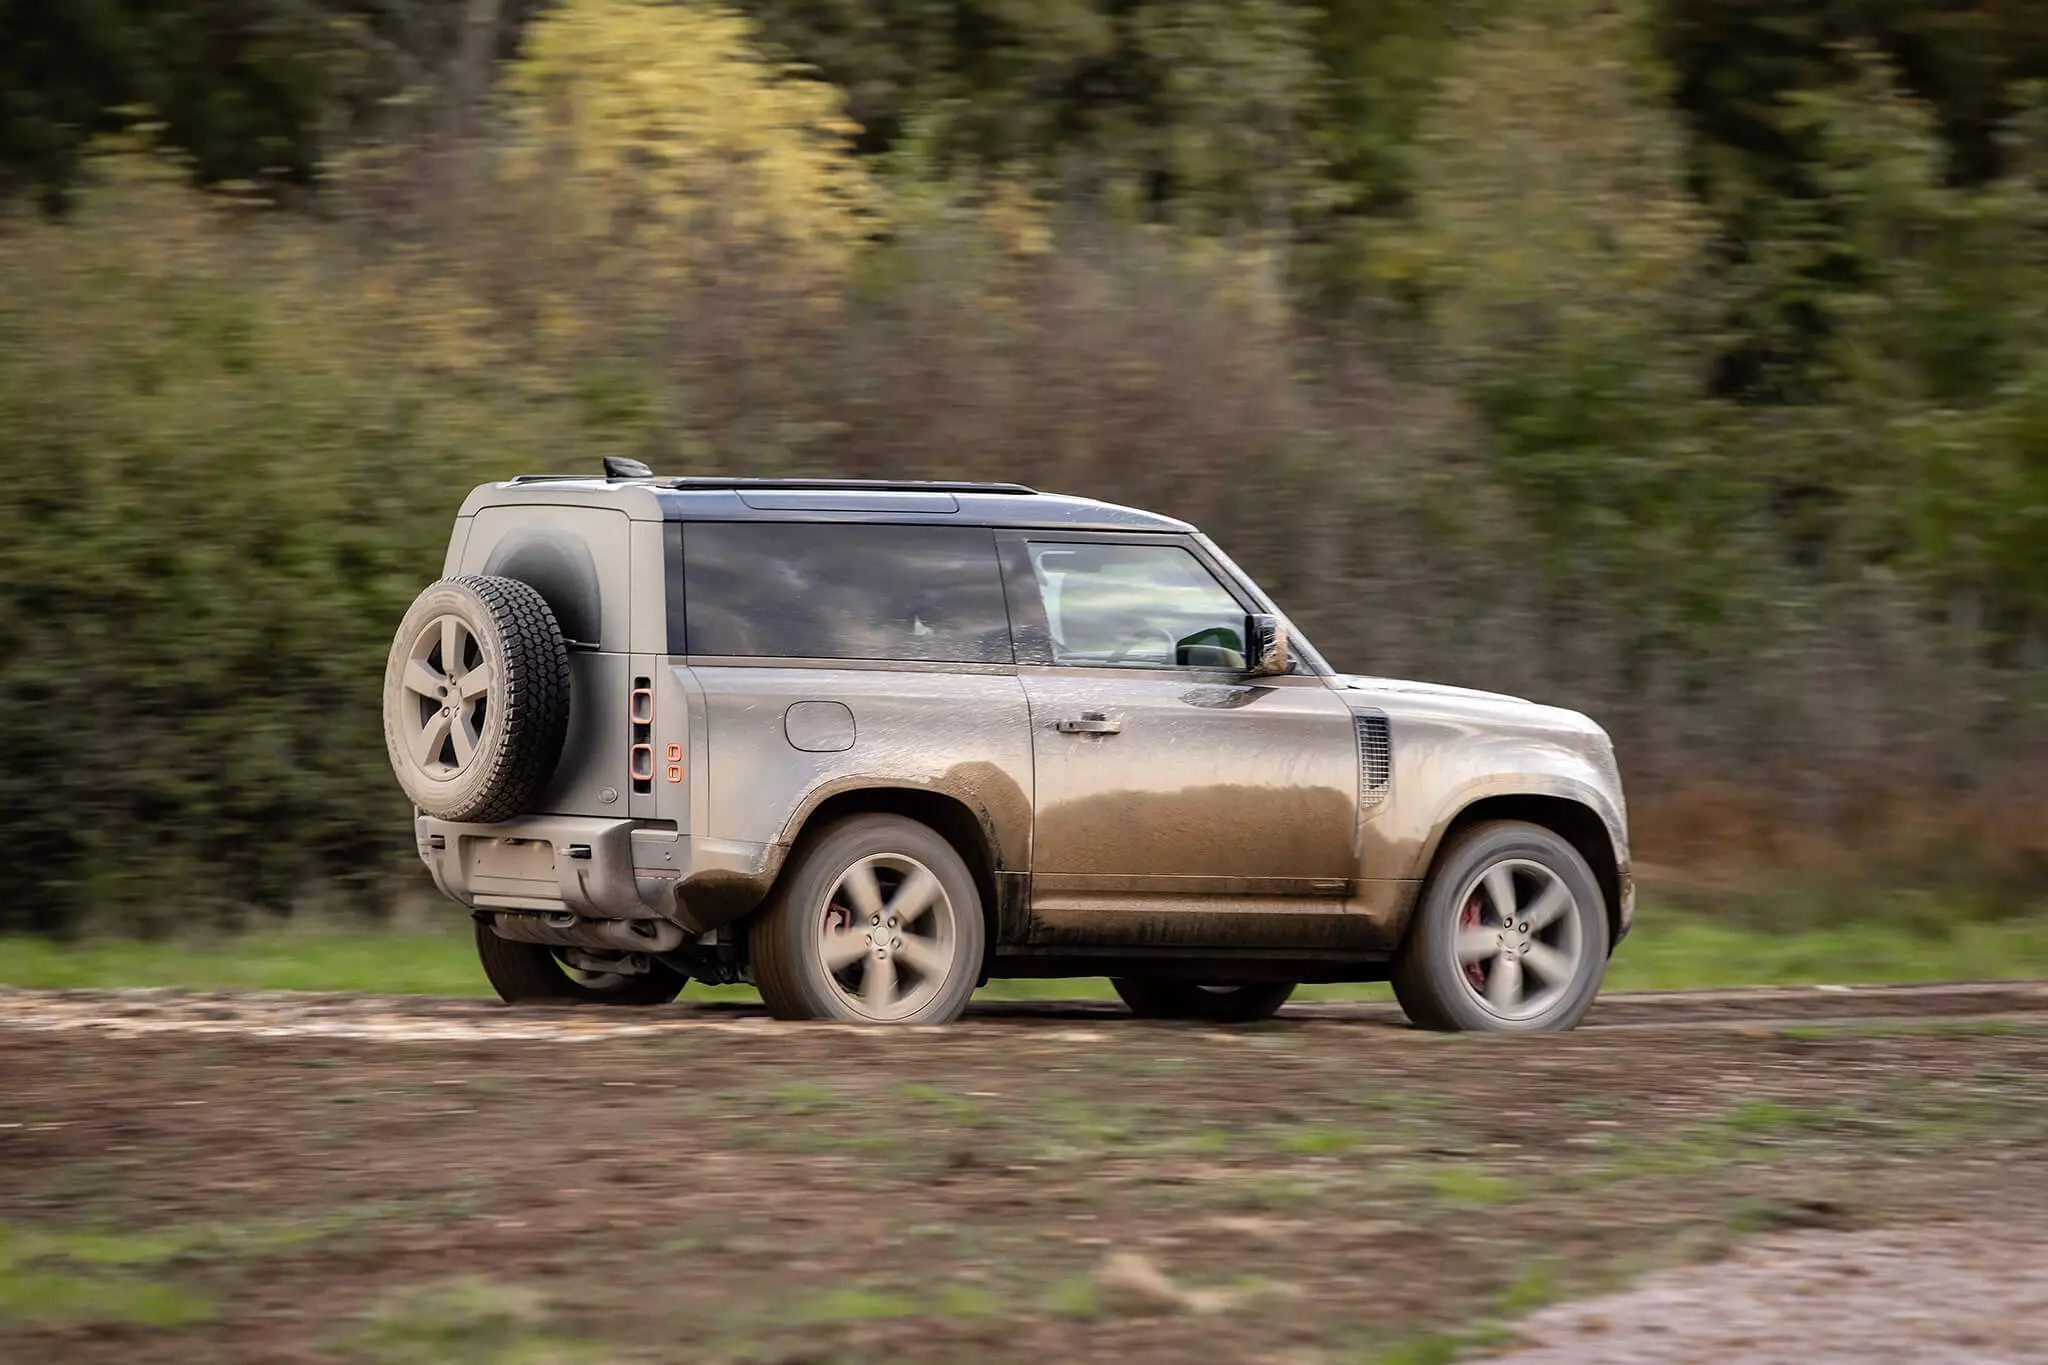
point(1375, 759)
point(642, 712)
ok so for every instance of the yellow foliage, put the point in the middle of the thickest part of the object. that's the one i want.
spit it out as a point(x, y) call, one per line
point(658, 126)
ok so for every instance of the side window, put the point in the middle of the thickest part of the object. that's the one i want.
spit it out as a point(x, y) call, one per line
point(833, 591)
point(1136, 606)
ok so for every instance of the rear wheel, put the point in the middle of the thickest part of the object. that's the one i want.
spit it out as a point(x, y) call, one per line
point(1154, 999)
point(1510, 937)
point(531, 974)
point(879, 922)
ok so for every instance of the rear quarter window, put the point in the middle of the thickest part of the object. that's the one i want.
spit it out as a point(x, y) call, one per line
point(930, 594)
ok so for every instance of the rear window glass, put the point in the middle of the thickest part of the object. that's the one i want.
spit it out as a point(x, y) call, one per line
point(819, 591)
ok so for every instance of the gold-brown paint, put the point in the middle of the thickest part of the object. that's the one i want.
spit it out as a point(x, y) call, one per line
point(991, 795)
point(1219, 830)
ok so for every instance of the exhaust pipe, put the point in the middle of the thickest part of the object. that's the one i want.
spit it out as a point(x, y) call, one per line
point(558, 930)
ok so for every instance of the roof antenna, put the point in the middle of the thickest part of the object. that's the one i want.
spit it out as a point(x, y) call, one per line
point(619, 467)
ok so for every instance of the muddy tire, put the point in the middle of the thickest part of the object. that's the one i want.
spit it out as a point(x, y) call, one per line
point(531, 974)
point(878, 921)
point(1510, 936)
point(476, 698)
point(1152, 999)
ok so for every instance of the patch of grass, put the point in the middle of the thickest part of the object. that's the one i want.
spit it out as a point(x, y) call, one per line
point(111, 1250)
point(1669, 949)
point(965, 1301)
point(1692, 1154)
point(1083, 1130)
point(461, 1322)
point(83, 1275)
point(800, 1099)
point(52, 1297)
point(956, 1109)
point(1676, 949)
point(1534, 1286)
point(50, 1276)
point(1320, 1139)
point(858, 1305)
point(1344, 991)
point(440, 961)
point(1764, 1117)
point(1428, 1348)
point(1469, 1185)
point(1048, 988)
point(1077, 1298)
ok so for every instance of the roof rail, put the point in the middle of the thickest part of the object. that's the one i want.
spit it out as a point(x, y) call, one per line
point(712, 482)
point(715, 482)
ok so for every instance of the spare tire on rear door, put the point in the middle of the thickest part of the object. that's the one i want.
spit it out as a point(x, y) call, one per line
point(476, 698)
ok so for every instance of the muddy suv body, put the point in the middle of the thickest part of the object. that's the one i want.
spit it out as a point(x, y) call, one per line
point(870, 744)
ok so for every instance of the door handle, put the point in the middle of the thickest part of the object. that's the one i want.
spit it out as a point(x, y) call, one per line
point(1090, 723)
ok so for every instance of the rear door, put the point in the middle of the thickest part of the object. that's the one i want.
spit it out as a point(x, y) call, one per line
point(1179, 802)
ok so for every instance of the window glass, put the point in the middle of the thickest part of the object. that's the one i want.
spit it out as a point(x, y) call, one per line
point(822, 591)
point(1136, 606)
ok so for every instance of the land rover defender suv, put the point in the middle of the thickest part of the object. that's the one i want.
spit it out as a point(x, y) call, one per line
point(869, 744)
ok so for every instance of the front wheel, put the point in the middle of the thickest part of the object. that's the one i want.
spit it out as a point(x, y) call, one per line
point(1510, 937)
point(1153, 999)
point(879, 922)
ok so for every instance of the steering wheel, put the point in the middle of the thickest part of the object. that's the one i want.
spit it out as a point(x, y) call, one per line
point(1124, 651)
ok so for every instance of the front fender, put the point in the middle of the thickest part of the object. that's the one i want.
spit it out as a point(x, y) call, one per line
point(1454, 752)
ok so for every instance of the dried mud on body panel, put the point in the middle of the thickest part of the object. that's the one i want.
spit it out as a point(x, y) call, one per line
point(1183, 795)
point(959, 735)
point(1227, 831)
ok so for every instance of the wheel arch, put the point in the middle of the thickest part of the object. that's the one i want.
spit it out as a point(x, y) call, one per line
point(952, 818)
point(1576, 822)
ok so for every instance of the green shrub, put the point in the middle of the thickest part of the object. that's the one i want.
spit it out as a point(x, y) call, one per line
point(226, 477)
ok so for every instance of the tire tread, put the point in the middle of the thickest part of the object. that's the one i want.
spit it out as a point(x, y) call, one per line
point(534, 719)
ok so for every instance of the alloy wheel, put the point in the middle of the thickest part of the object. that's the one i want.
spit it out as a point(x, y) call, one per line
point(447, 685)
point(1520, 943)
point(887, 938)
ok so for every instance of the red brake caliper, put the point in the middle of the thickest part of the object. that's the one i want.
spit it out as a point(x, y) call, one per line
point(838, 919)
point(1469, 919)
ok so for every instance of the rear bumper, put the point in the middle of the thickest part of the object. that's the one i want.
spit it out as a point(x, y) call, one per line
point(602, 869)
point(553, 863)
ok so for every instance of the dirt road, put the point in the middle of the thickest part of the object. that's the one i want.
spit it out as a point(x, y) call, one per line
point(428, 1018)
point(310, 1178)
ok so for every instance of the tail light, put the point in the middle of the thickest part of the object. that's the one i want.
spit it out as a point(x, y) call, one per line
point(641, 710)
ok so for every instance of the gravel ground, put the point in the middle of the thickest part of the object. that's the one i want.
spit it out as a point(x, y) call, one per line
point(1957, 1294)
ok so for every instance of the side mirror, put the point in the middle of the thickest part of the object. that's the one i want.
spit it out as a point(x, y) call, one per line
point(1265, 641)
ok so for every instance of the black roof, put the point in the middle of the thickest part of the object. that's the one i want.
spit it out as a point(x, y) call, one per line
point(979, 504)
point(895, 500)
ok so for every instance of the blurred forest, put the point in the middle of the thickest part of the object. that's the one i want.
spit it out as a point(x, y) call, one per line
point(1683, 361)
